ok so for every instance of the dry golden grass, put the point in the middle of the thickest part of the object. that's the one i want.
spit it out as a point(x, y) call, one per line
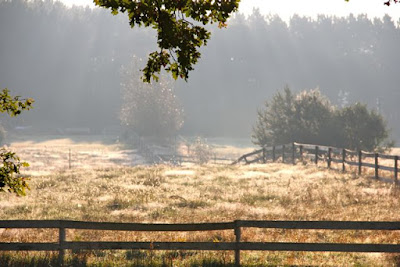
point(208, 193)
point(46, 156)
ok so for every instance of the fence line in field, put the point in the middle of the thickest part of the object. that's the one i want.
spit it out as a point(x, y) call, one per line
point(298, 151)
point(236, 246)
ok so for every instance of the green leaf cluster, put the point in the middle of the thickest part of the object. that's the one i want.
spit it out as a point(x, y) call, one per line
point(13, 105)
point(309, 117)
point(180, 31)
point(10, 178)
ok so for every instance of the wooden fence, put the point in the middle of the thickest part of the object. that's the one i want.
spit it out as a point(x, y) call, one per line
point(236, 246)
point(345, 157)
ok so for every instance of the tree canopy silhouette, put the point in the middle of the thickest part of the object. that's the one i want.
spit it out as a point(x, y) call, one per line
point(309, 117)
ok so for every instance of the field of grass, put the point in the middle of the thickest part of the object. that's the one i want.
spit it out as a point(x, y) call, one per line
point(196, 193)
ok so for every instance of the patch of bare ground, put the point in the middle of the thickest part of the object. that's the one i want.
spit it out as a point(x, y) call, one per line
point(210, 193)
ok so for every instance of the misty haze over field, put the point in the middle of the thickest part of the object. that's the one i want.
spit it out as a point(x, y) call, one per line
point(69, 60)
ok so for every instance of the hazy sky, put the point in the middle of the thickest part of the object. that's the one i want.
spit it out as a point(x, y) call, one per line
point(286, 8)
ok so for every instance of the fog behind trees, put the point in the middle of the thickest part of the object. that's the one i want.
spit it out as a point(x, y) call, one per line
point(69, 60)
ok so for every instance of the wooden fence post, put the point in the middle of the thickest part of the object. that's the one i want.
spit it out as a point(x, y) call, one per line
point(293, 154)
point(237, 250)
point(264, 155)
point(329, 157)
point(376, 166)
point(396, 158)
point(316, 155)
point(301, 153)
point(273, 153)
point(343, 160)
point(283, 153)
point(61, 241)
point(359, 162)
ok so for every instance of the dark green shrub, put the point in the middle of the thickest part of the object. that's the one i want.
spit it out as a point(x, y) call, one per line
point(309, 117)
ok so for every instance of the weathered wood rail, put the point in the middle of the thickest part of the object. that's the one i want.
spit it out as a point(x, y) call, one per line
point(237, 246)
point(290, 153)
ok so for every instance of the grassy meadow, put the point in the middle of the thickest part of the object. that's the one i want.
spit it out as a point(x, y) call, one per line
point(102, 186)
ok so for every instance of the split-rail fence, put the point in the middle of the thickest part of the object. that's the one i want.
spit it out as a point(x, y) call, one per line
point(290, 153)
point(237, 246)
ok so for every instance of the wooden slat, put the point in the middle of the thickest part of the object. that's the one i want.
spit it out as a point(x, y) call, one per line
point(328, 225)
point(308, 146)
point(361, 225)
point(278, 246)
point(253, 153)
point(148, 227)
point(366, 164)
point(386, 156)
point(386, 168)
point(152, 245)
point(30, 223)
point(351, 152)
point(266, 246)
point(336, 160)
point(351, 163)
point(237, 161)
point(29, 246)
point(323, 149)
point(368, 154)
point(272, 246)
point(116, 226)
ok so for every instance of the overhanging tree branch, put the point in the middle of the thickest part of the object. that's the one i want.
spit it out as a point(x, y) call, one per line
point(175, 34)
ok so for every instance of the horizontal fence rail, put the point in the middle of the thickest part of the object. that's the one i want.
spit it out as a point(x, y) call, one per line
point(236, 246)
point(290, 153)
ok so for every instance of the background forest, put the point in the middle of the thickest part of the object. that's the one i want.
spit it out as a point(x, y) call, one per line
point(69, 60)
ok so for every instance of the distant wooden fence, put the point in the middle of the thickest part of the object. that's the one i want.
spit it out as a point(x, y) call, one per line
point(295, 151)
point(236, 246)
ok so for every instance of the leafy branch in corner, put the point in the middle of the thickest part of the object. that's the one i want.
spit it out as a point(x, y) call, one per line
point(391, 1)
point(386, 2)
